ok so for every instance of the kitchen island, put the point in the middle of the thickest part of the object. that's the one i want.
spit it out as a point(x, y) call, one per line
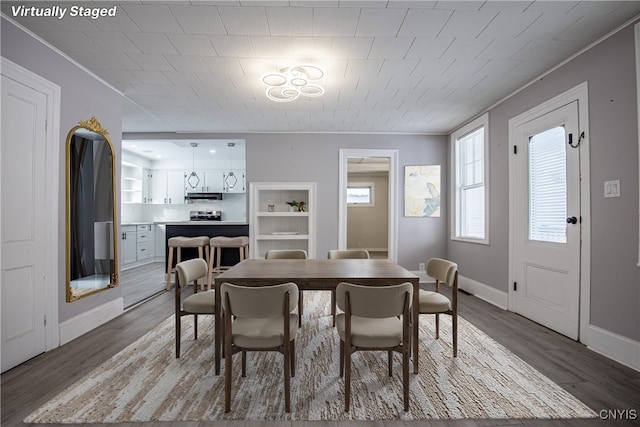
point(209, 229)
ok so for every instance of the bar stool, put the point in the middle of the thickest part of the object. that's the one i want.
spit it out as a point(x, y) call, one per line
point(179, 242)
point(219, 242)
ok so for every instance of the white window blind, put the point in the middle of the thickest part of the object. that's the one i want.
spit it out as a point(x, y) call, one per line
point(548, 186)
point(470, 185)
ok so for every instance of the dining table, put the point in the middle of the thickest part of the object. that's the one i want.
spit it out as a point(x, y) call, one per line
point(317, 275)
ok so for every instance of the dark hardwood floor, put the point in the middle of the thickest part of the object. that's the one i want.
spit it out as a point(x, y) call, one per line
point(600, 383)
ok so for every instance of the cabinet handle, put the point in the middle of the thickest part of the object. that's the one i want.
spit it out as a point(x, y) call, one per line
point(165, 200)
point(169, 199)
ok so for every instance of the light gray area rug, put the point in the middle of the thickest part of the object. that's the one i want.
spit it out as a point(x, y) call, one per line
point(145, 382)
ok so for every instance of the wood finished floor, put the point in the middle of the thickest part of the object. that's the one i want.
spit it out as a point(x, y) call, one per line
point(597, 381)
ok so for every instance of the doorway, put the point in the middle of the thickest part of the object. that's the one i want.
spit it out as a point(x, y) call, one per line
point(364, 171)
point(548, 214)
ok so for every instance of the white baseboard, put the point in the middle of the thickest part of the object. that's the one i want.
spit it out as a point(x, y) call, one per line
point(85, 322)
point(484, 292)
point(423, 276)
point(616, 347)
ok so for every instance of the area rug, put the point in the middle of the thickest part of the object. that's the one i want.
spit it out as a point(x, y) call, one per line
point(145, 382)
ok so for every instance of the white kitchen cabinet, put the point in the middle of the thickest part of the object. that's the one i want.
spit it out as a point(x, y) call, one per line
point(144, 242)
point(273, 226)
point(209, 181)
point(128, 245)
point(146, 186)
point(167, 186)
point(234, 181)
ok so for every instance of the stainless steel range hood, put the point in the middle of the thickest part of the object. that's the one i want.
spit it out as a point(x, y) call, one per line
point(203, 196)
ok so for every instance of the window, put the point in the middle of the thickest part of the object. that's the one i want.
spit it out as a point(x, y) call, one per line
point(360, 194)
point(469, 172)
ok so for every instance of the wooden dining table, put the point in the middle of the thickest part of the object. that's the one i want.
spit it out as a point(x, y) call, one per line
point(317, 275)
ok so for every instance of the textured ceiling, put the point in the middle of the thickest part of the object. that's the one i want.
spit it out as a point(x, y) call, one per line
point(390, 66)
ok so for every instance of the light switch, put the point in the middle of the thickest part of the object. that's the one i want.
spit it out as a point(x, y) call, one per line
point(612, 188)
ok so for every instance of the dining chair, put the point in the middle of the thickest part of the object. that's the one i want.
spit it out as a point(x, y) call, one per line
point(374, 318)
point(289, 254)
point(259, 319)
point(344, 254)
point(198, 303)
point(434, 302)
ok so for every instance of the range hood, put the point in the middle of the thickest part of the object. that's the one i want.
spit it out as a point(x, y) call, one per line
point(203, 196)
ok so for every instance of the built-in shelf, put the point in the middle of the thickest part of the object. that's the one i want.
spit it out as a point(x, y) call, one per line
point(273, 225)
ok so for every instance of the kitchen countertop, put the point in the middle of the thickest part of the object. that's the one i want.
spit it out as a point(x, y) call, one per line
point(201, 222)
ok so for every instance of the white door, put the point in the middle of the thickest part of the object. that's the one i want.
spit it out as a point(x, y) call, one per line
point(23, 222)
point(547, 223)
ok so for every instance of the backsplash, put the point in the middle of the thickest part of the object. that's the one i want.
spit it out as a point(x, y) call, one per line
point(233, 208)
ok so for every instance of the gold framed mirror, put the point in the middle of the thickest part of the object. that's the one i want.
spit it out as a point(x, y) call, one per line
point(91, 230)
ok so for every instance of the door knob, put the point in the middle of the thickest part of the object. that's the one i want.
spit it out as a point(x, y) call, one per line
point(572, 220)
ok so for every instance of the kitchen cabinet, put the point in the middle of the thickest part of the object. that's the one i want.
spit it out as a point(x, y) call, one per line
point(137, 245)
point(160, 244)
point(167, 187)
point(273, 225)
point(144, 242)
point(128, 245)
point(146, 186)
point(211, 181)
point(234, 181)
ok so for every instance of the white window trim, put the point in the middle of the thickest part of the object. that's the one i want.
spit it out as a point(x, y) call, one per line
point(371, 186)
point(482, 121)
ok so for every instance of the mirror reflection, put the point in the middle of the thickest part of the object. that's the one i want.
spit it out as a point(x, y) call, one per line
point(92, 264)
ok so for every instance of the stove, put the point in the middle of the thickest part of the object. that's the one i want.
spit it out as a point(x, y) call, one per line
point(205, 216)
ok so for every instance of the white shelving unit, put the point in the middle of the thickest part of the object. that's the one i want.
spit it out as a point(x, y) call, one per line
point(273, 226)
point(131, 183)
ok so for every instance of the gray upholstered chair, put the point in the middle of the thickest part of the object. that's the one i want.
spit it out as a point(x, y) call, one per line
point(258, 319)
point(344, 254)
point(433, 302)
point(198, 303)
point(289, 254)
point(374, 318)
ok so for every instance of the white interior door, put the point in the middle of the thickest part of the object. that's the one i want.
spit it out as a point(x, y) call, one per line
point(23, 222)
point(547, 221)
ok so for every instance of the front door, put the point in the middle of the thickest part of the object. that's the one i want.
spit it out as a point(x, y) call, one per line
point(24, 222)
point(547, 222)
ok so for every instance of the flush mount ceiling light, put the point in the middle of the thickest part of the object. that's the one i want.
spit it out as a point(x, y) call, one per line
point(290, 83)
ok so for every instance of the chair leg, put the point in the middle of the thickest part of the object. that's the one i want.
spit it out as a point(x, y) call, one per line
point(244, 363)
point(341, 358)
point(405, 377)
point(347, 378)
point(437, 326)
point(195, 326)
point(169, 268)
point(292, 350)
point(178, 330)
point(390, 356)
point(333, 306)
point(287, 377)
point(455, 335)
point(300, 305)
point(201, 255)
point(227, 372)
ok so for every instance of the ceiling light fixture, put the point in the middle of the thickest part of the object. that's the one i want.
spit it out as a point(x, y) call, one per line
point(290, 83)
point(193, 180)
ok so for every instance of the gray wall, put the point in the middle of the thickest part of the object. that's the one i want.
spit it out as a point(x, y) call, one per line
point(609, 69)
point(82, 96)
point(367, 226)
point(315, 157)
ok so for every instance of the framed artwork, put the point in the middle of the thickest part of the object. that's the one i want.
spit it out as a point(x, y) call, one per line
point(422, 191)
